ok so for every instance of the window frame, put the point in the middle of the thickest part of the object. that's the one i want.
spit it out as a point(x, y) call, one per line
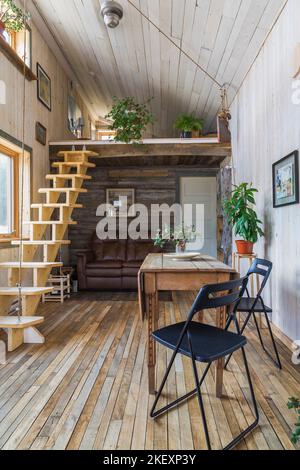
point(16, 202)
point(10, 50)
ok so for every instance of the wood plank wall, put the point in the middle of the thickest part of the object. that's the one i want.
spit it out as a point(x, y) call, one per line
point(265, 128)
point(152, 186)
point(55, 121)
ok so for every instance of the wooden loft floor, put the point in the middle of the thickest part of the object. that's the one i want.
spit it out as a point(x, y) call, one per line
point(203, 153)
point(86, 387)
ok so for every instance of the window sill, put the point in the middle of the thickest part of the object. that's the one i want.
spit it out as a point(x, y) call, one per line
point(13, 57)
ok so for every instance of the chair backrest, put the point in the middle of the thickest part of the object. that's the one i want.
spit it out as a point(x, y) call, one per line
point(261, 267)
point(220, 295)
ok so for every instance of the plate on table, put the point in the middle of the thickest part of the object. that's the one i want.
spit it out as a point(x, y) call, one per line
point(182, 256)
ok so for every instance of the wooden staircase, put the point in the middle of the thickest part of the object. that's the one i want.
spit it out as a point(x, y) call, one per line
point(61, 200)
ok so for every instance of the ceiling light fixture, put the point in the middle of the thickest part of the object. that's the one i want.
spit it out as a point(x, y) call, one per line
point(112, 13)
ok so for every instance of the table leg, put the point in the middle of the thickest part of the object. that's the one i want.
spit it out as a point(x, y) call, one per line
point(152, 316)
point(221, 323)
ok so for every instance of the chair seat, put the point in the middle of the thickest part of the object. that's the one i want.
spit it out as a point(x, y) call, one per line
point(246, 304)
point(209, 343)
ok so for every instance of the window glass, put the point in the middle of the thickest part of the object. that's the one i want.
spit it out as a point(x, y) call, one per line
point(6, 194)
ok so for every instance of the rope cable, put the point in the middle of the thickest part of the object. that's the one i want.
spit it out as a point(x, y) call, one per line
point(177, 47)
point(21, 214)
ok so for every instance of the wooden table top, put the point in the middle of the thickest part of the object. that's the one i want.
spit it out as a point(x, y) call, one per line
point(162, 263)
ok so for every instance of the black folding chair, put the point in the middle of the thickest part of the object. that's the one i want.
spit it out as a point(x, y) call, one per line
point(204, 343)
point(252, 306)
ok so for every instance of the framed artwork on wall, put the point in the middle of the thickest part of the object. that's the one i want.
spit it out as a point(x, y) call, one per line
point(43, 87)
point(122, 200)
point(286, 181)
point(41, 133)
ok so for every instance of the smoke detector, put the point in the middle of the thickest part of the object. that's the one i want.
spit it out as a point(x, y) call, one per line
point(112, 13)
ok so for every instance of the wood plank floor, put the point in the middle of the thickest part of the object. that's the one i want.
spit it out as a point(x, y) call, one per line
point(86, 388)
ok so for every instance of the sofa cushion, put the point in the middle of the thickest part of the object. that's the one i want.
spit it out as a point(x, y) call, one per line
point(137, 250)
point(104, 283)
point(110, 250)
point(104, 269)
point(132, 264)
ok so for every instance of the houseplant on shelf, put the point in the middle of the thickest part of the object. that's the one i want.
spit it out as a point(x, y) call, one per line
point(11, 17)
point(241, 214)
point(129, 119)
point(178, 237)
point(187, 123)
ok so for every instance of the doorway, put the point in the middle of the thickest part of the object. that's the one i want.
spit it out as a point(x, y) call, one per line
point(202, 191)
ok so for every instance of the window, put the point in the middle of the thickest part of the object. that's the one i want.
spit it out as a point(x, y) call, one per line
point(17, 43)
point(9, 193)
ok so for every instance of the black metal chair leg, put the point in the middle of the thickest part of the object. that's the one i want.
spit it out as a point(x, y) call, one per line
point(278, 363)
point(243, 434)
point(191, 394)
point(201, 405)
point(240, 331)
point(154, 414)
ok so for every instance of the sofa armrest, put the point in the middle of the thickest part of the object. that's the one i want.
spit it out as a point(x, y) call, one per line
point(83, 258)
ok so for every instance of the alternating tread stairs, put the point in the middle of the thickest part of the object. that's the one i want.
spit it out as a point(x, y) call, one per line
point(67, 185)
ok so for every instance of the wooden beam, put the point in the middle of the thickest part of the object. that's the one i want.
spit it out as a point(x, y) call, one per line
point(138, 174)
point(151, 150)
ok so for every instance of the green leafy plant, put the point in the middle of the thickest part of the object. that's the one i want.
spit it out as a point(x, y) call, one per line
point(240, 212)
point(178, 236)
point(294, 404)
point(12, 16)
point(188, 123)
point(129, 119)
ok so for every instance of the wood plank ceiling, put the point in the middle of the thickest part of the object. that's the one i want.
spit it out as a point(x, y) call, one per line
point(224, 36)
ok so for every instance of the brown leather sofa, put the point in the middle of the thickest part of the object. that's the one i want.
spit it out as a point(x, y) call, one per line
point(112, 264)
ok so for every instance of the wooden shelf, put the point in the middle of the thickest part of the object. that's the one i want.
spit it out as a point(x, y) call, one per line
point(13, 57)
point(20, 324)
point(25, 291)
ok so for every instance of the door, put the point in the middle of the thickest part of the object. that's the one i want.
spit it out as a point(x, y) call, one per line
point(202, 191)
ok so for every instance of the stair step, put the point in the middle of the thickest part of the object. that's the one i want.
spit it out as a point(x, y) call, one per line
point(73, 165)
point(41, 242)
point(26, 291)
point(57, 206)
point(61, 190)
point(52, 222)
point(68, 176)
point(36, 265)
point(20, 324)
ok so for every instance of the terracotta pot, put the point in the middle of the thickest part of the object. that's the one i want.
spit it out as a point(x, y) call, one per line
point(2, 28)
point(244, 248)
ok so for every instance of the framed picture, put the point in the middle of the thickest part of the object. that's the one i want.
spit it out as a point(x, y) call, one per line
point(122, 200)
point(286, 181)
point(41, 133)
point(43, 87)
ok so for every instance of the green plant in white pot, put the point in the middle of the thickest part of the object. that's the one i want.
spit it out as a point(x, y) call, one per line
point(12, 18)
point(241, 214)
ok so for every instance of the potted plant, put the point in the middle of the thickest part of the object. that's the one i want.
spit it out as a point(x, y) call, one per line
point(240, 212)
point(178, 237)
point(11, 17)
point(294, 404)
point(187, 123)
point(129, 119)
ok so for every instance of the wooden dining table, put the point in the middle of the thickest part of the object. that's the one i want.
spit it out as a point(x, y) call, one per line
point(162, 273)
